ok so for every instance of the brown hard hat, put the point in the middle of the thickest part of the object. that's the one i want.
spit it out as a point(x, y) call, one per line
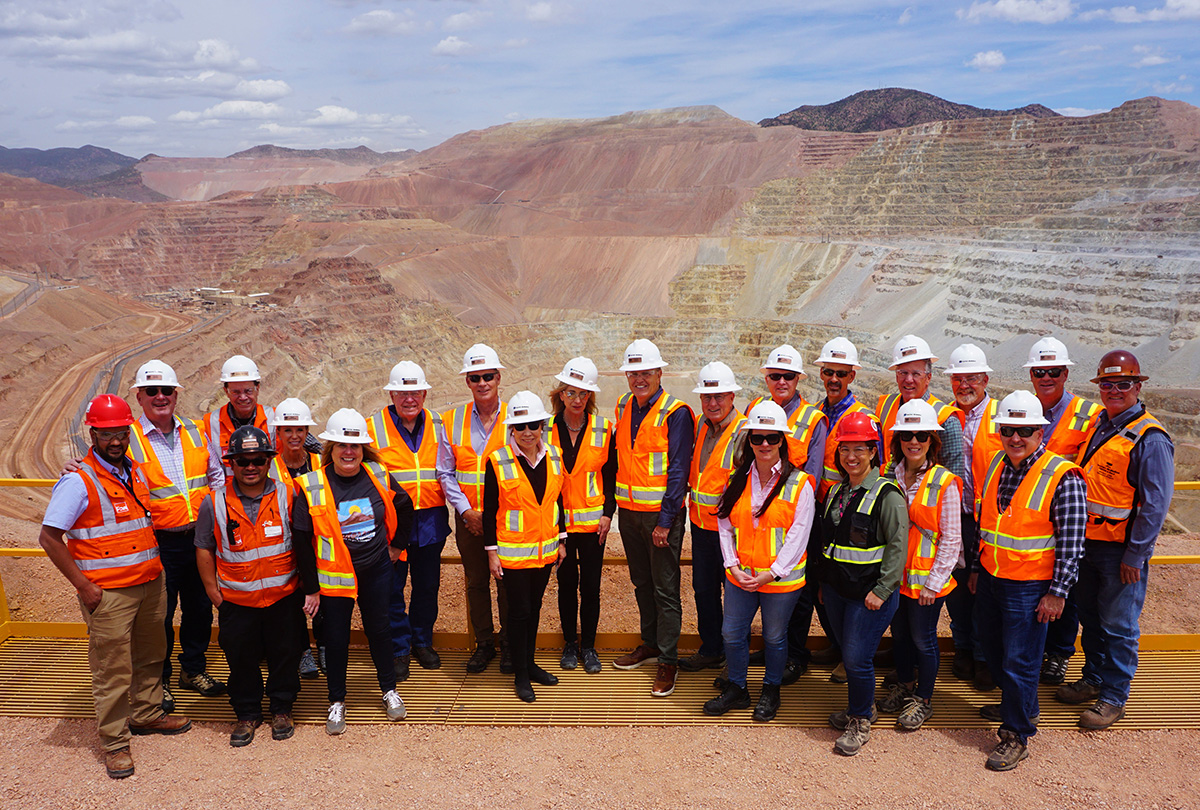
point(1119, 363)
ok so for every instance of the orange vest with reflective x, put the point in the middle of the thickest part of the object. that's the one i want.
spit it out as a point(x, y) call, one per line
point(829, 471)
point(335, 570)
point(758, 546)
point(468, 467)
point(1019, 544)
point(803, 422)
point(984, 447)
point(583, 488)
point(526, 530)
point(642, 465)
point(218, 427)
point(925, 530)
point(1112, 499)
point(112, 541)
point(256, 566)
point(888, 405)
point(705, 486)
point(1071, 434)
point(172, 507)
point(280, 472)
point(416, 472)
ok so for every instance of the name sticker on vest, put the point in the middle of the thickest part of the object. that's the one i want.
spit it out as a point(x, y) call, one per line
point(270, 530)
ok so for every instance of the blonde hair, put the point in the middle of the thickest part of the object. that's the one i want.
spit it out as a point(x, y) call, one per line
point(556, 400)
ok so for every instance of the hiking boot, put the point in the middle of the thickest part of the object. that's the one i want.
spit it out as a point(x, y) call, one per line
point(308, 666)
point(506, 662)
point(643, 654)
point(792, 672)
point(983, 681)
point(202, 682)
point(402, 666)
point(1054, 669)
point(992, 712)
point(427, 657)
point(840, 720)
point(768, 703)
point(732, 697)
point(119, 763)
point(282, 726)
point(698, 661)
point(1008, 753)
point(916, 712)
point(664, 680)
point(839, 674)
point(1101, 716)
point(167, 724)
point(336, 722)
point(856, 735)
point(591, 661)
point(243, 731)
point(896, 699)
point(570, 656)
point(168, 701)
point(479, 660)
point(394, 706)
point(963, 667)
point(524, 690)
point(826, 656)
point(1080, 691)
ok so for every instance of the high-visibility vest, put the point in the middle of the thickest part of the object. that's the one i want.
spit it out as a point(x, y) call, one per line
point(803, 422)
point(758, 546)
point(853, 549)
point(172, 507)
point(335, 570)
point(1019, 544)
point(218, 427)
point(642, 465)
point(829, 472)
point(986, 444)
point(468, 467)
point(925, 530)
point(280, 472)
point(583, 487)
point(416, 472)
point(889, 404)
point(112, 542)
point(705, 486)
point(1112, 499)
point(256, 566)
point(1071, 434)
point(526, 530)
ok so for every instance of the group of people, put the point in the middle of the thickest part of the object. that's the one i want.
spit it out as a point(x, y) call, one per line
point(1026, 517)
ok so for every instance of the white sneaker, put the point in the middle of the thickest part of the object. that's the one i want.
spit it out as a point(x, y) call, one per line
point(394, 706)
point(336, 724)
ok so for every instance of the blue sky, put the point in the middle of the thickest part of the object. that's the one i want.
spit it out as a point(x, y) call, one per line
point(214, 77)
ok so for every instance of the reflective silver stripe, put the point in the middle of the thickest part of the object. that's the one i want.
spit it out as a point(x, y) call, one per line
point(125, 560)
point(221, 519)
point(528, 550)
point(513, 520)
point(333, 580)
point(1106, 511)
point(413, 476)
point(260, 553)
point(916, 578)
point(377, 471)
point(109, 531)
point(325, 548)
point(214, 430)
point(704, 498)
point(795, 575)
point(162, 493)
point(578, 516)
point(468, 477)
point(382, 439)
point(858, 556)
point(1045, 477)
point(593, 488)
point(927, 547)
point(657, 463)
point(199, 482)
point(1007, 541)
point(887, 407)
point(259, 584)
point(643, 494)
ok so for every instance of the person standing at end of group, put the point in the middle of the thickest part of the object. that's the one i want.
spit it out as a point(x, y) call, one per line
point(654, 436)
point(589, 460)
point(240, 380)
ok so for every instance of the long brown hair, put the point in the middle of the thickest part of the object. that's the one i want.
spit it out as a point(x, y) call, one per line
point(932, 456)
point(369, 452)
point(741, 475)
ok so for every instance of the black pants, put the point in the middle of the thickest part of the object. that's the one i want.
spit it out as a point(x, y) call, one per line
point(802, 620)
point(579, 587)
point(177, 550)
point(374, 601)
point(248, 635)
point(525, 588)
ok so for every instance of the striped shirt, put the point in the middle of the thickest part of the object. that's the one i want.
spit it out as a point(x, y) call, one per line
point(168, 449)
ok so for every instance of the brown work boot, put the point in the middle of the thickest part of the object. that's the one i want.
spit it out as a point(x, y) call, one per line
point(664, 680)
point(1008, 753)
point(167, 724)
point(1101, 716)
point(644, 654)
point(119, 763)
point(243, 731)
point(1080, 691)
point(282, 727)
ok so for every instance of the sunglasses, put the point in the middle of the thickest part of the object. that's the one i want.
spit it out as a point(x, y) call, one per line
point(840, 373)
point(767, 438)
point(155, 390)
point(475, 378)
point(1042, 372)
point(106, 436)
point(523, 426)
point(1122, 386)
point(250, 461)
point(782, 375)
point(908, 435)
point(1024, 432)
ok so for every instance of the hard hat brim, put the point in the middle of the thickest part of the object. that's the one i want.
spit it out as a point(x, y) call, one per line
point(109, 423)
point(1138, 377)
point(273, 425)
point(268, 452)
point(1039, 421)
point(136, 386)
point(643, 366)
point(1047, 363)
point(930, 357)
point(529, 417)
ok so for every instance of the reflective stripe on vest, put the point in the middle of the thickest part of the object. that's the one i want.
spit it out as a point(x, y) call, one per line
point(856, 555)
point(526, 529)
point(170, 506)
point(924, 531)
point(468, 466)
point(416, 471)
point(888, 406)
point(707, 485)
point(113, 552)
point(1111, 498)
point(642, 466)
point(758, 546)
point(582, 489)
point(1019, 543)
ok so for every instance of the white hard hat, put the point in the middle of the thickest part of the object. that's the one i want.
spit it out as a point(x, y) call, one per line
point(1048, 353)
point(346, 426)
point(909, 348)
point(839, 350)
point(525, 406)
point(1020, 408)
point(580, 372)
point(292, 413)
point(480, 357)
point(407, 376)
point(155, 372)
point(785, 358)
point(642, 355)
point(968, 359)
point(916, 414)
point(766, 415)
point(716, 378)
point(239, 368)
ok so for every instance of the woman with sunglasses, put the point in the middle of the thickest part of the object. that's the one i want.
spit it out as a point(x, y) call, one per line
point(523, 530)
point(589, 458)
point(934, 497)
point(763, 517)
point(864, 529)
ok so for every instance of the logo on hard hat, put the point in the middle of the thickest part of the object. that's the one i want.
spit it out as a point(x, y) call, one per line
point(408, 381)
point(1111, 369)
point(766, 420)
point(633, 358)
point(477, 361)
point(1016, 414)
point(1048, 356)
point(912, 418)
point(839, 355)
point(250, 443)
point(575, 375)
point(907, 350)
point(520, 411)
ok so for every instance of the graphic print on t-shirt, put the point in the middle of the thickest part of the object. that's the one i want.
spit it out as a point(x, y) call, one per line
point(357, 520)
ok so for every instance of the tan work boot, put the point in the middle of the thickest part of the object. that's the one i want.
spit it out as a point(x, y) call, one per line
point(119, 763)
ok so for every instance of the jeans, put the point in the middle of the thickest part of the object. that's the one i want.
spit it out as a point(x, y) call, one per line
point(915, 643)
point(414, 627)
point(579, 587)
point(177, 550)
point(960, 603)
point(708, 574)
point(525, 588)
point(1013, 640)
point(1109, 612)
point(859, 631)
point(654, 573)
point(374, 596)
point(740, 607)
point(1060, 638)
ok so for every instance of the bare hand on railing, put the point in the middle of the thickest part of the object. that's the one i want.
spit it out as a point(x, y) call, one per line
point(605, 525)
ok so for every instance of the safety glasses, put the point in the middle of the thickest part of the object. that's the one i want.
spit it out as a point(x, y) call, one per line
point(250, 461)
point(1122, 386)
point(1024, 432)
point(840, 373)
point(1042, 372)
point(478, 378)
point(106, 436)
point(155, 390)
point(767, 438)
point(524, 426)
point(782, 375)
point(908, 435)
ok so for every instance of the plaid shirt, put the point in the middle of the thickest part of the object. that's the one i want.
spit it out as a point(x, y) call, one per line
point(168, 449)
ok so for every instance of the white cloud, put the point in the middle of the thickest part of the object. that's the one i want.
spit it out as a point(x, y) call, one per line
point(212, 83)
point(134, 122)
point(1038, 11)
point(987, 61)
point(1170, 10)
point(239, 109)
point(464, 20)
point(1078, 112)
point(906, 16)
point(1150, 56)
point(216, 53)
point(1179, 88)
point(513, 116)
point(332, 116)
point(539, 12)
point(128, 123)
point(381, 23)
point(451, 46)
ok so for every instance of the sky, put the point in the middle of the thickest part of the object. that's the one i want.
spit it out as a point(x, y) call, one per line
point(212, 77)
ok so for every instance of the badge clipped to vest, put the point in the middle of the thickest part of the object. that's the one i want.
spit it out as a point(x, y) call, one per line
point(271, 530)
point(120, 507)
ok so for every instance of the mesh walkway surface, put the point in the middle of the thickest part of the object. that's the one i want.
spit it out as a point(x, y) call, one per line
point(49, 678)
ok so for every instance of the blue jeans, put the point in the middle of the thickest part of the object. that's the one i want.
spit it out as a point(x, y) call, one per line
point(1013, 641)
point(915, 643)
point(1109, 612)
point(414, 627)
point(708, 572)
point(740, 607)
point(960, 603)
point(859, 630)
point(1060, 638)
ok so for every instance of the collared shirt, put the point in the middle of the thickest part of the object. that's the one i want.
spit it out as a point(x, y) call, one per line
point(681, 431)
point(69, 498)
point(795, 541)
point(815, 464)
point(834, 413)
point(950, 542)
point(974, 420)
point(705, 447)
point(432, 524)
point(446, 464)
point(954, 456)
point(168, 449)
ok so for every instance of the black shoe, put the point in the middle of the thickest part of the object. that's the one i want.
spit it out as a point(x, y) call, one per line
point(479, 660)
point(1054, 669)
point(791, 673)
point(758, 658)
point(427, 657)
point(698, 661)
point(321, 659)
point(524, 691)
point(570, 656)
point(826, 656)
point(168, 701)
point(768, 703)
point(732, 697)
point(983, 678)
point(591, 661)
point(541, 677)
point(243, 732)
point(506, 664)
point(720, 682)
point(401, 664)
point(964, 665)
point(308, 666)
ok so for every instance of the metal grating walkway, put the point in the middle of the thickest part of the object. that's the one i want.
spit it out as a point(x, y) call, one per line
point(49, 678)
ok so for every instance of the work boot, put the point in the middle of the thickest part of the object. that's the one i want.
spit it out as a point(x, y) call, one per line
point(167, 724)
point(243, 731)
point(963, 667)
point(916, 712)
point(698, 661)
point(506, 662)
point(896, 698)
point(732, 697)
point(839, 674)
point(479, 660)
point(591, 661)
point(1008, 753)
point(792, 672)
point(570, 656)
point(282, 726)
point(856, 735)
point(642, 654)
point(1080, 691)
point(402, 666)
point(427, 657)
point(664, 680)
point(768, 703)
point(1101, 716)
point(840, 720)
point(119, 763)
point(1054, 669)
point(202, 682)
point(541, 677)
point(168, 701)
point(524, 689)
point(983, 678)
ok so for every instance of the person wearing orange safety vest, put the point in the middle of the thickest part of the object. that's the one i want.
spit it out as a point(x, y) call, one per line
point(97, 532)
point(351, 523)
point(244, 552)
point(240, 380)
point(1031, 522)
point(912, 362)
point(524, 526)
point(589, 459)
point(1128, 461)
point(474, 431)
point(410, 440)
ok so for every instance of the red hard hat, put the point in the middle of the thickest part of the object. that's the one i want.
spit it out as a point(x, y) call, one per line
point(108, 411)
point(1119, 363)
point(856, 427)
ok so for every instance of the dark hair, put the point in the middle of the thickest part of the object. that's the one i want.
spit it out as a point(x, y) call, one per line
point(741, 474)
point(933, 456)
point(837, 460)
point(369, 452)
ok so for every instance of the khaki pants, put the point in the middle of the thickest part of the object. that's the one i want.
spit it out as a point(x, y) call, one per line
point(126, 648)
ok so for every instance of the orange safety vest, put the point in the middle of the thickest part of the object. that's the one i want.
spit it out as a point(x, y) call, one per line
point(803, 422)
point(1074, 429)
point(986, 444)
point(583, 489)
point(280, 472)
point(468, 467)
point(526, 530)
point(642, 465)
point(416, 472)
point(170, 506)
point(112, 542)
point(759, 546)
point(1019, 544)
point(1112, 498)
point(256, 566)
point(925, 530)
point(218, 427)
point(889, 404)
point(335, 570)
point(705, 486)
point(829, 473)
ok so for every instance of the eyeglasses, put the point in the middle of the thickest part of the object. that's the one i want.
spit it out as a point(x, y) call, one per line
point(769, 438)
point(573, 393)
point(1024, 432)
point(908, 435)
point(155, 390)
point(969, 379)
point(1042, 372)
point(250, 461)
point(840, 373)
point(524, 426)
point(846, 450)
point(476, 378)
point(642, 375)
point(106, 436)
point(782, 375)
point(1122, 386)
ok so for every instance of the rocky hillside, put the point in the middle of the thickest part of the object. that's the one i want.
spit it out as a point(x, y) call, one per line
point(64, 166)
point(359, 155)
point(890, 108)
